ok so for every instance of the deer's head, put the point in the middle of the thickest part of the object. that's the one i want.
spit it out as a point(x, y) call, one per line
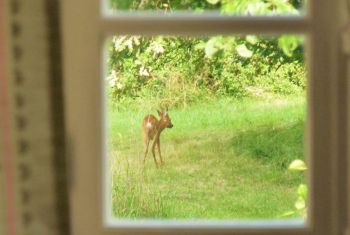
point(165, 119)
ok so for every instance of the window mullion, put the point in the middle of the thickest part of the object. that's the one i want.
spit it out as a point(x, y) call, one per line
point(190, 25)
point(322, 124)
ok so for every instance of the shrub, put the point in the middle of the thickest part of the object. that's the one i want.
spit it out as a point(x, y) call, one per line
point(183, 69)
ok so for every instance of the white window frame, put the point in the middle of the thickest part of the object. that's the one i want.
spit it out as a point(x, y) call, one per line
point(84, 32)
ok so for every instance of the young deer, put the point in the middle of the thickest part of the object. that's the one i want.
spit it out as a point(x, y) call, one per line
point(152, 128)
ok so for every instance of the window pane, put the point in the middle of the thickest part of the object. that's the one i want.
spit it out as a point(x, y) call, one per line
point(230, 113)
point(225, 7)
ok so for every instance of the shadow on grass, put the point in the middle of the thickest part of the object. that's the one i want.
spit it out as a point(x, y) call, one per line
point(276, 145)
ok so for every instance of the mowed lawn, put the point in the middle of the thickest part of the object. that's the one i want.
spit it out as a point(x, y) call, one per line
point(224, 159)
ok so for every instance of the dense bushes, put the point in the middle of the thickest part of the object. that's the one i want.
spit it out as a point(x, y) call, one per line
point(190, 67)
point(183, 69)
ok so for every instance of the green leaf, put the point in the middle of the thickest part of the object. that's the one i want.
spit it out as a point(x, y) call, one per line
point(229, 7)
point(213, 46)
point(252, 39)
point(213, 1)
point(297, 165)
point(282, 6)
point(302, 191)
point(210, 49)
point(300, 204)
point(258, 8)
point(288, 44)
point(243, 51)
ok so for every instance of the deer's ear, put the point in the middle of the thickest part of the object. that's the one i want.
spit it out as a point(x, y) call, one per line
point(159, 113)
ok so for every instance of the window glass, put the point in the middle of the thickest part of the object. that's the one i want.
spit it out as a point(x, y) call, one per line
point(230, 113)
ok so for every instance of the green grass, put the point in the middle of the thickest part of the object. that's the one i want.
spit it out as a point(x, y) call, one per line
point(223, 159)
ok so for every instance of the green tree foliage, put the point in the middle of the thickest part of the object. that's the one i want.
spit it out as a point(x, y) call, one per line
point(186, 68)
point(251, 7)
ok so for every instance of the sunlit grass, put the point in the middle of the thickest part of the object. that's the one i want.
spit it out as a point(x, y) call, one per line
point(223, 159)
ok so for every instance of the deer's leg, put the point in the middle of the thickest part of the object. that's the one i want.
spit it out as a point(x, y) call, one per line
point(146, 151)
point(160, 155)
point(154, 151)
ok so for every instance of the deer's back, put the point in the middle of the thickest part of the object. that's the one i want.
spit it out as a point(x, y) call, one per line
point(149, 126)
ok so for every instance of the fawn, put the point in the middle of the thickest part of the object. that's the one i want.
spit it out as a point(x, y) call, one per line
point(152, 128)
